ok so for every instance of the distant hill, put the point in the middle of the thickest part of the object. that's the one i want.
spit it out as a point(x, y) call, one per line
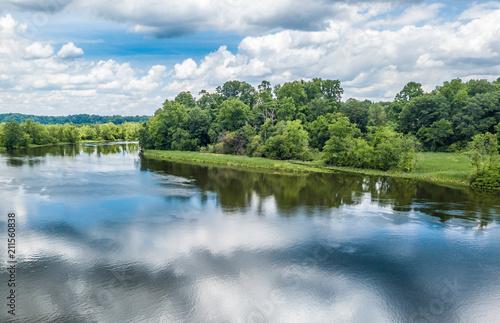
point(75, 118)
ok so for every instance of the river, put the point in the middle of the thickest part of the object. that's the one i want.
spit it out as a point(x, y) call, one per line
point(103, 235)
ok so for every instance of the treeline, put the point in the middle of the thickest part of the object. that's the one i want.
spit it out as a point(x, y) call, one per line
point(74, 119)
point(14, 134)
point(303, 120)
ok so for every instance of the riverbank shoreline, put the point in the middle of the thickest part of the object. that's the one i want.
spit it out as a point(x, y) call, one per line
point(437, 176)
point(3, 149)
point(235, 161)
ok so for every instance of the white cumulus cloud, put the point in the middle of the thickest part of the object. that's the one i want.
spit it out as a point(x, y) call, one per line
point(70, 51)
point(35, 81)
point(38, 50)
point(373, 48)
point(373, 59)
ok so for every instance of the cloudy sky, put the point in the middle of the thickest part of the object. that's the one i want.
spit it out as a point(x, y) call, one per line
point(60, 57)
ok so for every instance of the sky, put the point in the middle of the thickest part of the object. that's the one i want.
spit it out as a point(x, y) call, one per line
point(60, 57)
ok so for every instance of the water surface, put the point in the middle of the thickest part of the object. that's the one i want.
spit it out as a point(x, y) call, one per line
point(105, 236)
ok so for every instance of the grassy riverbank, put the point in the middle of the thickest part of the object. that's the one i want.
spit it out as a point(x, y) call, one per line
point(444, 168)
point(234, 161)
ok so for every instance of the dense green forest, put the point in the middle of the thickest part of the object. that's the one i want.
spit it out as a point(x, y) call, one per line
point(14, 134)
point(307, 120)
point(74, 119)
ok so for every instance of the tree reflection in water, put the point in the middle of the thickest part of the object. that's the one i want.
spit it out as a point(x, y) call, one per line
point(235, 189)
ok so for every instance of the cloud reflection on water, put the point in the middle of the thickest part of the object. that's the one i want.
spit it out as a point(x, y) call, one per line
point(112, 240)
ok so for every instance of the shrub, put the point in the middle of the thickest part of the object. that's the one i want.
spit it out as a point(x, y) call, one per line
point(256, 147)
point(486, 179)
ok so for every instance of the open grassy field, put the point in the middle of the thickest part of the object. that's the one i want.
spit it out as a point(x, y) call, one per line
point(445, 168)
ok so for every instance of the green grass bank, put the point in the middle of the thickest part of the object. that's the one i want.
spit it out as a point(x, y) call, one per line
point(234, 161)
point(443, 168)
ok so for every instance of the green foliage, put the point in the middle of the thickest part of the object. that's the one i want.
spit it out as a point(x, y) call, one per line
point(210, 103)
point(357, 112)
point(319, 107)
point(423, 111)
point(348, 151)
point(88, 132)
point(385, 149)
point(233, 115)
point(181, 140)
point(38, 134)
point(236, 89)
point(256, 147)
point(341, 127)
point(72, 133)
point(13, 134)
point(290, 143)
point(482, 151)
point(408, 158)
point(2, 135)
point(130, 131)
point(198, 125)
point(452, 90)
point(323, 89)
point(108, 131)
point(186, 99)
point(488, 178)
point(318, 130)
point(376, 115)
point(410, 91)
point(167, 119)
point(437, 136)
point(286, 109)
point(74, 119)
point(145, 137)
point(341, 148)
point(232, 143)
point(293, 90)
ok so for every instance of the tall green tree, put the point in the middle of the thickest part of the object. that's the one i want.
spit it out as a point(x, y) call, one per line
point(437, 136)
point(295, 91)
point(482, 151)
point(71, 133)
point(233, 115)
point(236, 89)
point(198, 125)
point(165, 123)
point(13, 134)
point(423, 111)
point(357, 112)
point(318, 130)
point(410, 91)
point(186, 99)
point(290, 143)
point(376, 115)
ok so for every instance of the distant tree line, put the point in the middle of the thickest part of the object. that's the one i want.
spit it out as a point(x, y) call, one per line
point(74, 119)
point(306, 119)
point(15, 135)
